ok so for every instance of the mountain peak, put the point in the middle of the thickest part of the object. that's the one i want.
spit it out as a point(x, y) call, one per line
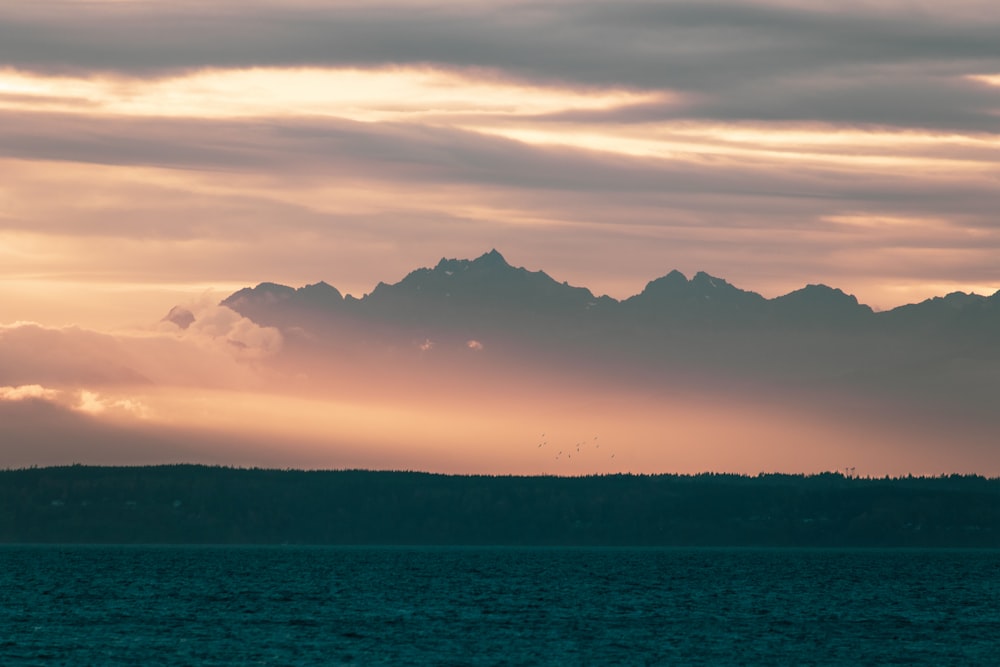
point(706, 280)
point(489, 294)
point(262, 293)
point(450, 266)
point(820, 293)
point(704, 295)
point(673, 282)
point(959, 300)
point(491, 257)
point(320, 292)
point(463, 290)
point(820, 303)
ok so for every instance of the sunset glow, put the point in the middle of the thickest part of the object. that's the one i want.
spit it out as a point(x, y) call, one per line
point(364, 95)
point(157, 154)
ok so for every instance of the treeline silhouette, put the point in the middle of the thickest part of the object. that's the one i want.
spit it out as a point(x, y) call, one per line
point(219, 505)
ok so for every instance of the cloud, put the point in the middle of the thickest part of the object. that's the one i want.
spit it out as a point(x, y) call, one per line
point(30, 391)
point(217, 350)
point(220, 327)
point(93, 403)
point(41, 432)
point(33, 354)
point(80, 400)
point(732, 55)
point(893, 98)
point(400, 155)
point(354, 203)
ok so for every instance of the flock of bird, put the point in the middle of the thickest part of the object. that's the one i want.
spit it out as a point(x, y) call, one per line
point(578, 447)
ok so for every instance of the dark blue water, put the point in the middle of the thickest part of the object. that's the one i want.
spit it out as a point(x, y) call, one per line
point(309, 605)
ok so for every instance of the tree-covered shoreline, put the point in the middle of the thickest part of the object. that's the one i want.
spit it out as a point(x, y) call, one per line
point(192, 504)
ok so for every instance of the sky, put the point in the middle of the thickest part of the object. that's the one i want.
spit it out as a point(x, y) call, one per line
point(156, 153)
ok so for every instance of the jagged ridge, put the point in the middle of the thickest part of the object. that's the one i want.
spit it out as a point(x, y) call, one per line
point(489, 287)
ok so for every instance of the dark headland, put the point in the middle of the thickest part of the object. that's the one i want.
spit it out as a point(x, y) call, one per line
point(189, 504)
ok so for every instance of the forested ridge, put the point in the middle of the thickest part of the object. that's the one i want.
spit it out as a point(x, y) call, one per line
point(205, 505)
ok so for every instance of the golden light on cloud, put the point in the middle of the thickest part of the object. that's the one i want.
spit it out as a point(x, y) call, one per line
point(695, 142)
point(991, 79)
point(876, 221)
point(93, 403)
point(464, 100)
point(23, 392)
point(356, 94)
point(14, 83)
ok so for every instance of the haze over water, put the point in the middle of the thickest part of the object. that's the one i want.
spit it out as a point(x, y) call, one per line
point(477, 366)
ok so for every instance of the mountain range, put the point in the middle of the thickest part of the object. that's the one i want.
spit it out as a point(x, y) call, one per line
point(486, 314)
point(488, 290)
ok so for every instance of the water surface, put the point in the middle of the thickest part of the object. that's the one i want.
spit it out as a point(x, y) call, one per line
point(491, 606)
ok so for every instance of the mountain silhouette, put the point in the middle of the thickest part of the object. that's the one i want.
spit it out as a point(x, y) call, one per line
point(816, 336)
point(489, 289)
point(820, 305)
point(958, 316)
point(459, 291)
point(704, 298)
point(270, 304)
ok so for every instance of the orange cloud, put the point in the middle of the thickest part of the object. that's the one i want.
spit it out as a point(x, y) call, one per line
point(375, 94)
point(29, 391)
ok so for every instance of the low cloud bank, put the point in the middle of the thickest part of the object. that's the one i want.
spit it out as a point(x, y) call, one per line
point(219, 349)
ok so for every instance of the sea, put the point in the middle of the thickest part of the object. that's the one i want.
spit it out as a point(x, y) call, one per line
point(298, 605)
